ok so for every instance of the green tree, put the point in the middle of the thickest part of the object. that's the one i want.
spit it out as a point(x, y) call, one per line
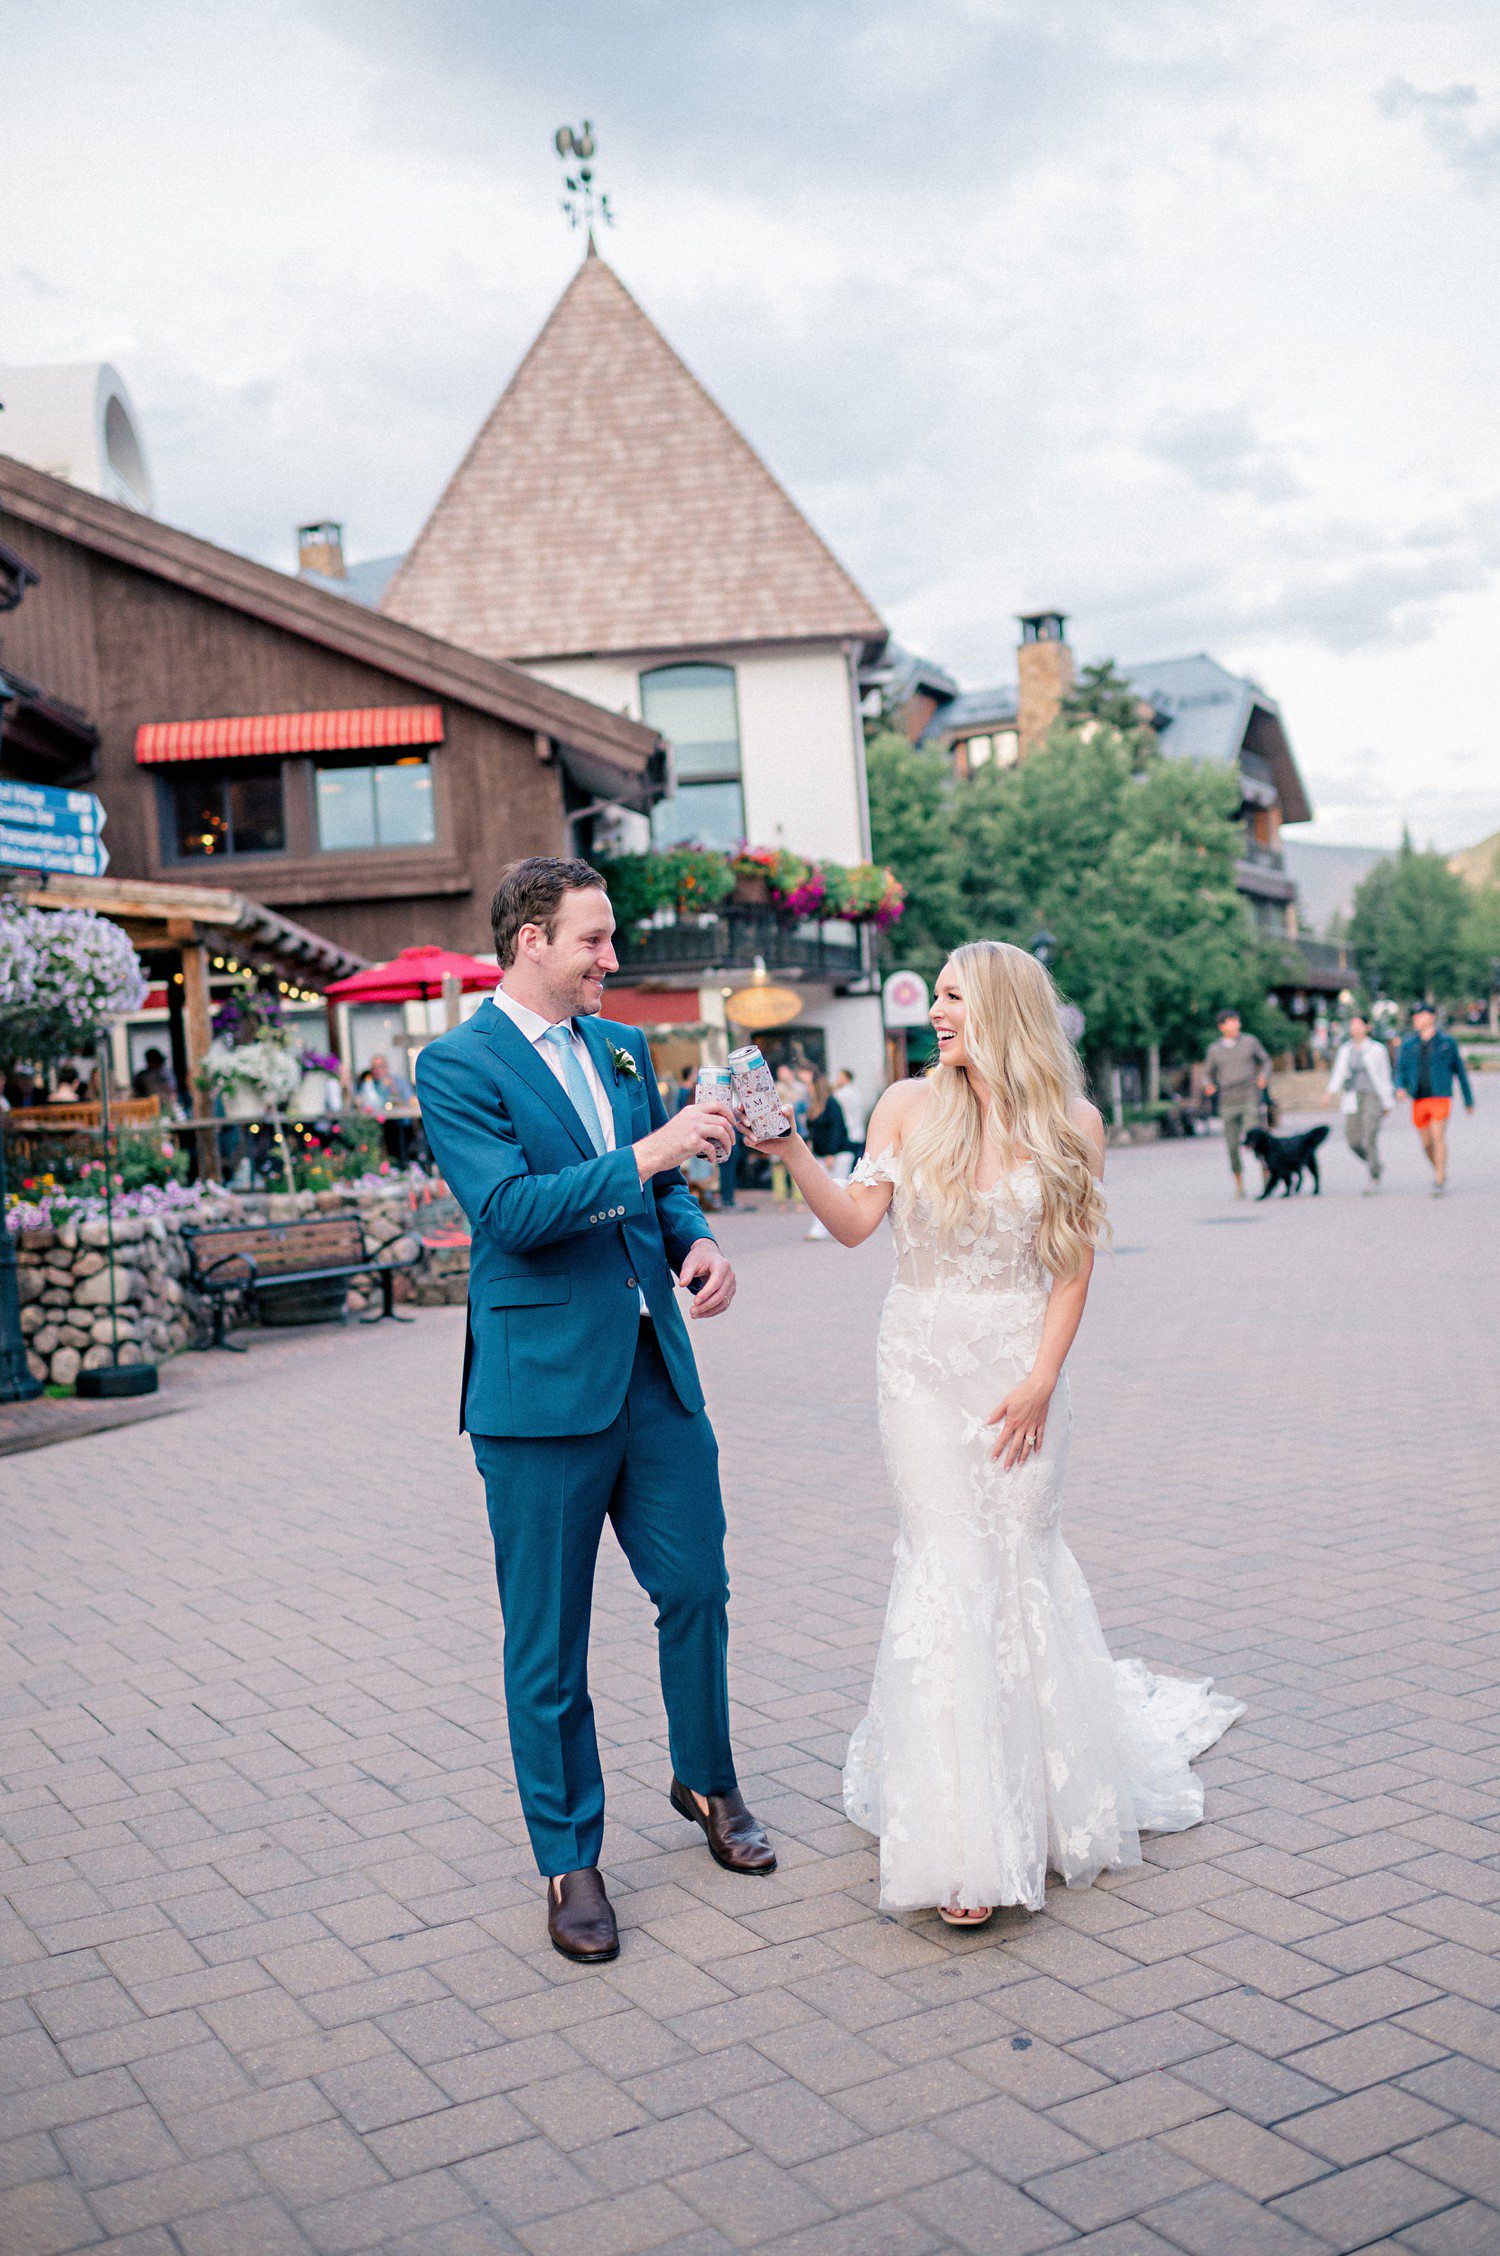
point(1133, 874)
point(1125, 857)
point(1484, 936)
point(913, 832)
point(1103, 696)
point(1412, 930)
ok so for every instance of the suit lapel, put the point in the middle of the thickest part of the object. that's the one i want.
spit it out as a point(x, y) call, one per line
point(506, 1038)
point(598, 1047)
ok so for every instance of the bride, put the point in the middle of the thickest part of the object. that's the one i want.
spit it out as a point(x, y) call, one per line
point(1001, 1739)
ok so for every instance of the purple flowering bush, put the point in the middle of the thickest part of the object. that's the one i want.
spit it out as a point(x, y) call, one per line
point(42, 1206)
point(65, 976)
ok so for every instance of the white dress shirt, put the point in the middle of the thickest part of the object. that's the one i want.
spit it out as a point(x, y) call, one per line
point(536, 1029)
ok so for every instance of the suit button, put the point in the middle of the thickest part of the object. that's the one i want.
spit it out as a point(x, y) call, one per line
point(631, 1283)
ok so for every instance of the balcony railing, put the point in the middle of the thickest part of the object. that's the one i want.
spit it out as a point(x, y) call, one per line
point(1262, 857)
point(732, 939)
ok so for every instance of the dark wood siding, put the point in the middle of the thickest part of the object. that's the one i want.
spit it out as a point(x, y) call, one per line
point(131, 647)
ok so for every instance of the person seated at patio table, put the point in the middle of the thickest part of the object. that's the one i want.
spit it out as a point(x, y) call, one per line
point(156, 1079)
point(380, 1090)
point(67, 1088)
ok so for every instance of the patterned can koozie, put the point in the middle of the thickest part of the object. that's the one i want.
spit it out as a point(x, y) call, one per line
point(755, 1096)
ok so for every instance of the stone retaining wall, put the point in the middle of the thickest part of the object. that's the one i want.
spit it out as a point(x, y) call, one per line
point(64, 1273)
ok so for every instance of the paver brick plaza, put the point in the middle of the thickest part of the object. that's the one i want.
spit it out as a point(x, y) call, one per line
point(273, 1974)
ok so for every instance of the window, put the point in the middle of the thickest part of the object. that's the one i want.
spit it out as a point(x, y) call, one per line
point(236, 809)
point(387, 805)
point(695, 708)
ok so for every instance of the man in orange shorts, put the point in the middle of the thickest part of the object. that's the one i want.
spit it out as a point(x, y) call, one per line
point(1429, 1064)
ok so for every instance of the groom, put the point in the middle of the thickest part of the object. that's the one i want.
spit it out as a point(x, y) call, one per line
point(580, 1392)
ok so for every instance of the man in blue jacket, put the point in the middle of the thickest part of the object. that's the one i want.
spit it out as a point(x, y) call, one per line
point(1427, 1065)
point(580, 1391)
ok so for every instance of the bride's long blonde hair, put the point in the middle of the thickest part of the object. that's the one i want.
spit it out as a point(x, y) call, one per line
point(1014, 1038)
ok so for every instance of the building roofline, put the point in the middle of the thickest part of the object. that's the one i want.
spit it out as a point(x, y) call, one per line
point(863, 625)
point(488, 685)
point(695, 653)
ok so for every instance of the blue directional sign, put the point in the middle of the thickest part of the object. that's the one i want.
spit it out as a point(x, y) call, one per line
point(42, 828)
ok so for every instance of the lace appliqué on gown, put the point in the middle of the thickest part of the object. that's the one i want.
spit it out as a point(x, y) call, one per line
point(1001, 1739)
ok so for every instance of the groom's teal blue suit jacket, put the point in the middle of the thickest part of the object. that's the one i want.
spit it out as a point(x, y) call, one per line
point(564, 1240)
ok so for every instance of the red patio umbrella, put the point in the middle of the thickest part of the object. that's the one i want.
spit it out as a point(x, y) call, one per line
point(415, 976)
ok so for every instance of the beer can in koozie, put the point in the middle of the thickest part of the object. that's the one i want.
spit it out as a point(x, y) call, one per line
point(715, 1081)
point(755, 1098)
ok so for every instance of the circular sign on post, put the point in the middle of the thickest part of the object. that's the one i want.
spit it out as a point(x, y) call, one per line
point(905, 1000)
point(757, 1008)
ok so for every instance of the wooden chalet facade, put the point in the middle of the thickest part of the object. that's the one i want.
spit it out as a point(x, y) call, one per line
point(347, 770)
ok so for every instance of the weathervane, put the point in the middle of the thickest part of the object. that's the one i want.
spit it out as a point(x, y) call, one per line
point(581, 203)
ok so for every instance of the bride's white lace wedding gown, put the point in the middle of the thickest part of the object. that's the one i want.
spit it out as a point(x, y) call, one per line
point(1001, 1738)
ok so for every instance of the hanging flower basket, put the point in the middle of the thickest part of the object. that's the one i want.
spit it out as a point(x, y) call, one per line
point(65, 976)
point(252, 1078)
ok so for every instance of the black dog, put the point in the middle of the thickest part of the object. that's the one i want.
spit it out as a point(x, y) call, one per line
point(1286, 1158)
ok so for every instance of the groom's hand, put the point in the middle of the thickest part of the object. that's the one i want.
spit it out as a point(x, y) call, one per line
point(705, 1261)
point(699, 1131)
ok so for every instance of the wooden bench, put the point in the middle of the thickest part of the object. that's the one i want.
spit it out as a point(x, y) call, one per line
point(261, 1258)
point(53, 1119)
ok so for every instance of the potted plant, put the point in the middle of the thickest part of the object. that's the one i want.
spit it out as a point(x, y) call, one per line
point(320, 1092)
point(751, 871)
point(791, 884)
point(251, 1067)
point(700, 879)
point(637, 885)
point(875, 896)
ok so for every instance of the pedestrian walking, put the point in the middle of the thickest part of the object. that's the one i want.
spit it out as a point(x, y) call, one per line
point(1428, 1064)
point(828, 1136)
point(792, 1094)
point(1362, 1071)
point(853, 1107)
point(1239, 1073)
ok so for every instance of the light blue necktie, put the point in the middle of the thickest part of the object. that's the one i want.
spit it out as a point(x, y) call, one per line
point(576, 1084)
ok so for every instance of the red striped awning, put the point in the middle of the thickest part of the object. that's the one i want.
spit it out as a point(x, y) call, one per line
point(358, 729)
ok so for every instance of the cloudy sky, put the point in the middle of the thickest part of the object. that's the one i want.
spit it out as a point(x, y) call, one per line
point(1180, 318)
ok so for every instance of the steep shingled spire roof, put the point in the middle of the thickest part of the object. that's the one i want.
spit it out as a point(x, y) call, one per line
point(607, 504)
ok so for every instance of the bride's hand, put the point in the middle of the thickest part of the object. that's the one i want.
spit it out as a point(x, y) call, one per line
point(773, 1147)
point(1022, 1419)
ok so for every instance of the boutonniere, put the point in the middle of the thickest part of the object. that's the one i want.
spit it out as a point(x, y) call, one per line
point(624, 1064)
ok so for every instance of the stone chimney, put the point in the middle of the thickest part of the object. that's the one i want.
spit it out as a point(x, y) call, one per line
point(1045, 665)
point(320, 552)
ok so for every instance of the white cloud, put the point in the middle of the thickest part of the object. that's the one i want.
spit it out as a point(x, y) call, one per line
point(1448, 120)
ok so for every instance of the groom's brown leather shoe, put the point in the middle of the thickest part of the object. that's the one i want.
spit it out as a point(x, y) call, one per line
point(580, 1920)
point(736, 1840)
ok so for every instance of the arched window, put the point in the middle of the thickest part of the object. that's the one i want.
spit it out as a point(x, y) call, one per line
point(695, 709)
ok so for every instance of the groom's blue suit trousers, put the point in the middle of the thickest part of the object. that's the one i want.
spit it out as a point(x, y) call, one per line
point(654, 1473)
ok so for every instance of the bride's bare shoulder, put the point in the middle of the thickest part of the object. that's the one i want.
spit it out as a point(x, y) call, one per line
point(1090, 1119)
point(900, 1104)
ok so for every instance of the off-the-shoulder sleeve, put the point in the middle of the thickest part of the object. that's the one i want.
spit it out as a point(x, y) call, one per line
point(881, 1167)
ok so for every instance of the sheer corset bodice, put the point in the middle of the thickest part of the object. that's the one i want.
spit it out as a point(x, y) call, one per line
point(1001, 1738)
point(993, 1253)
